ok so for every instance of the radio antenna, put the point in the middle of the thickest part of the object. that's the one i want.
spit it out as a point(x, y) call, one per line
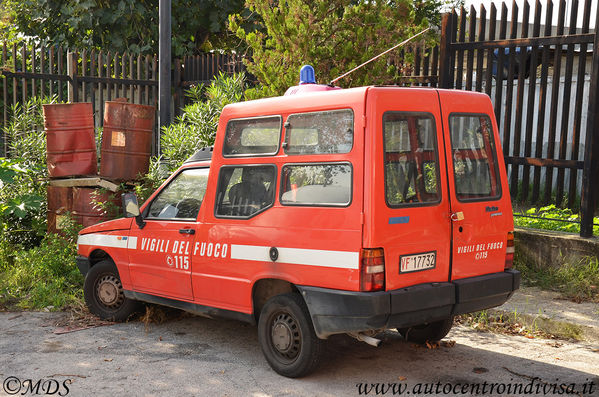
point(379, 55)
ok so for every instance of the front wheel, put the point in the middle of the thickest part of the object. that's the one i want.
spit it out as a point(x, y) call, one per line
point(104, 295)
point(431, 332)
point(287, 337)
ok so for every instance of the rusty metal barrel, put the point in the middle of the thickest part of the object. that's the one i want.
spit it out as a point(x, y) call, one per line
point(85, 210)
point(60, 201)
point(126, 140)
point(70, 138)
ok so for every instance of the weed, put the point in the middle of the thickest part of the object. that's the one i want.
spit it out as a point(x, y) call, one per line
point(577, 281)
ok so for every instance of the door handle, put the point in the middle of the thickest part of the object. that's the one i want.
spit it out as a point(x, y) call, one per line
point(187, 231)
point(457, 216)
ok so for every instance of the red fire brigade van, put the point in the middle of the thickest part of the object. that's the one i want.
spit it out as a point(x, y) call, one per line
point(321, 212)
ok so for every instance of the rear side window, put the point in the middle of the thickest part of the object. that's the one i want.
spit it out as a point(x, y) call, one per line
point(320, 132)
point(255, 136)
point(317, 185)
point(474, 157)
point(410, 151)
point(245, 191)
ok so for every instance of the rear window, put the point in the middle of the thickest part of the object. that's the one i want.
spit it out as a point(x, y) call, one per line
point(255, 136)
point(320, 132)
point(411, 167)
point(317, 185)
point(474, 157)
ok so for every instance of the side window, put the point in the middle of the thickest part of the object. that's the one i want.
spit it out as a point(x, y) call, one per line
point(410, 151)
point(318, 185)
point(255, 136)
point(474, 157)
point(320, 132)
point(182, 197)
point(245, 190)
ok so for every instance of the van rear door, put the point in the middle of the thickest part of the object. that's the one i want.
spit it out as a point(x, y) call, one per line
point(481, 210)
point(407, 207)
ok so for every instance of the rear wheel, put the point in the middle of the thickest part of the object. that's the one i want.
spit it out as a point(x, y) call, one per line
point(104, 295)
point(287, 337)
point(431, 332)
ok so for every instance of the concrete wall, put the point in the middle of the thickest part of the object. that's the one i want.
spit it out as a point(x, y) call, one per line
point(552, 249)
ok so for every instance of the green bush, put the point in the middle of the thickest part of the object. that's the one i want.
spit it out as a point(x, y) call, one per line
point(533, 218)
point(43, 276)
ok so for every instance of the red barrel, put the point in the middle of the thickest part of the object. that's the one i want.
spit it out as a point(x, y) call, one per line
point(60, 201)
point(70, 138)
point(126, 140)
point(85, 211)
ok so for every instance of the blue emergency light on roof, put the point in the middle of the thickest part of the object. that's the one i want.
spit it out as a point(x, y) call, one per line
point(307, 75)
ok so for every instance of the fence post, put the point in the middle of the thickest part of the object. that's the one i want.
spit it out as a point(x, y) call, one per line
point(73, 91)
point(590, 170)
point(178, 89)
point(445, 52)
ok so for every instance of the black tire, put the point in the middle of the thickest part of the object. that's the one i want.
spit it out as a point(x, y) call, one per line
point(430, 332)
point(297, 350)
point(104, 295)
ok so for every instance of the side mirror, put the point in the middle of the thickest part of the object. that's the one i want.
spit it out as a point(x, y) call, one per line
point(131, 208)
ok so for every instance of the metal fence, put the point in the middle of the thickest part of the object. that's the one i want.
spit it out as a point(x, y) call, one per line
point(538, 80)
point(539, 76)
point(96, 77)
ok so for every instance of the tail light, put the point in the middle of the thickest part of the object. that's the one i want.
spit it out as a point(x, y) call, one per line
point(509, 252)
point(372, 270)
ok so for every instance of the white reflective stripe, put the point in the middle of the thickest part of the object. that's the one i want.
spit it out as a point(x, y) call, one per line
point(298, 256)
point(132, 243)
point(105, 240)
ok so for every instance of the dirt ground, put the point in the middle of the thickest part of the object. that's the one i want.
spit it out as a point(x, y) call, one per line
point(196, 356)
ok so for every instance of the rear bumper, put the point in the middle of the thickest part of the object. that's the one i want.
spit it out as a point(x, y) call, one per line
point(335, 311)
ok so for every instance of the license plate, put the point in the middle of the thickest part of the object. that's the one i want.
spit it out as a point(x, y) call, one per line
point(417, 262)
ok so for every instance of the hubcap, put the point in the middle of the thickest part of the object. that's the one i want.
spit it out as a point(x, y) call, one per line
point(285, 335)
point(110, 291)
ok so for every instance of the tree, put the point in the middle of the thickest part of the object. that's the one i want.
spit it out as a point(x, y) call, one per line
point(123, 25)
point(333, 36)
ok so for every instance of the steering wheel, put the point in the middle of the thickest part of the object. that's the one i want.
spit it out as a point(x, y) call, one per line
point(188, 208)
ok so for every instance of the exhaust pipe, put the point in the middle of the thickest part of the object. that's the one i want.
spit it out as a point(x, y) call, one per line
point(367, 339)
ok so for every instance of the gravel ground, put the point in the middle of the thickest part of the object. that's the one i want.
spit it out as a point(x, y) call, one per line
point(190, 355)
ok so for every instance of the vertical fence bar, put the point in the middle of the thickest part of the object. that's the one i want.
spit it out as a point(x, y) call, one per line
point(482, 24)
point(567, 91)
point(131, 86)
point(24, 69)
point(139, 92)
point(108, 74)
point(582, 59)
point(101, 85)
point(536, 185)
point(43, 70)
point(470, 57)
point(83, 74)
point(460, 57)
point(33, 69)
point(92, 87)
point(147, 70)
point(520, 97)
point(445, 51)
point(589, 175)
point(554, 102)
point(489, 71)
point(51, 70)
point(509, 90)
point(499, 76)
point(532, 84)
